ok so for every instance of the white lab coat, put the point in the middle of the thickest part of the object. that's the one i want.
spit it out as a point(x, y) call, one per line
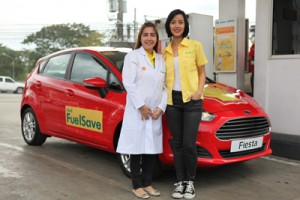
point(144, 84)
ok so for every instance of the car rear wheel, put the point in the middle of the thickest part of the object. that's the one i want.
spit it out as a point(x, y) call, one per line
point(124, 161)
point(30, 129)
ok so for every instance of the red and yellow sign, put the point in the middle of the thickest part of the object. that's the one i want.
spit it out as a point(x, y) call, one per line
point(225, 46)
point(225, 30)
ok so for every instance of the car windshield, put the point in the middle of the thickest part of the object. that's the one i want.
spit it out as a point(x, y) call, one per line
point(116, 57)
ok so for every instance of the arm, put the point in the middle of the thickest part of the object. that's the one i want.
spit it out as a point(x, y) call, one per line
point(201, 82)
point(201, 60)
point(129, 75)
point(161, 108)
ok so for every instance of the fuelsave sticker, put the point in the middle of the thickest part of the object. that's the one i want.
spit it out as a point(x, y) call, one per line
point(84, 118)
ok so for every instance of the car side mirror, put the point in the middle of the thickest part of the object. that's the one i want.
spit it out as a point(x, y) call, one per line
point(97, 83)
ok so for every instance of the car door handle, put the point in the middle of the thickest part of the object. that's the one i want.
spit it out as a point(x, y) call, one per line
point(69, 92)
point(38, 83)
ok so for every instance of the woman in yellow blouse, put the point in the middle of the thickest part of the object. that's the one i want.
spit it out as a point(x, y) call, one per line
point(185, 79)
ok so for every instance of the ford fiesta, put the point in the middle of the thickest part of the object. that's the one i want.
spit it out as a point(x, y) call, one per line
point(78, 95)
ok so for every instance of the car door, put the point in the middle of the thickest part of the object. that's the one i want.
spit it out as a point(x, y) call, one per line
point(88, 116)
point(9, 84)
point(49, 86)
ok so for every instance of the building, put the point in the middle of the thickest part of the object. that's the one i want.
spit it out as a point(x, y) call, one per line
point(277, 66)
point(277, 70)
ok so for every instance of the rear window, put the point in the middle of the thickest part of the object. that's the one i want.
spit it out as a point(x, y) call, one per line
point(116, 57)
point(56, 67)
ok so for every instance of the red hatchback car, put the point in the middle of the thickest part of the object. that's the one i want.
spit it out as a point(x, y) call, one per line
point(77, 94)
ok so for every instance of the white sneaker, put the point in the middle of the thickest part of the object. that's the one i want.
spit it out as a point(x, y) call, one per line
point(178, 191)
point(189, 192)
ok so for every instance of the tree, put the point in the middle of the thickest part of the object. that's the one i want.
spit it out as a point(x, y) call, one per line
point(17, 63)
point(10, 63)
point(29, 59)
point(62, 36)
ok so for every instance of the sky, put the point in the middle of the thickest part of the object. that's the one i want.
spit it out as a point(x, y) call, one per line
point(20, 18)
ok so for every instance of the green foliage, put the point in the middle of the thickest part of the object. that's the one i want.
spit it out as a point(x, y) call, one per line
point(62, 36)
point(48, 40)
point(10, 64)
point(29, 59)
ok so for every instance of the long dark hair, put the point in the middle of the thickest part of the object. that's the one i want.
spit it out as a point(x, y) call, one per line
point(171, 16)
point(138, 43)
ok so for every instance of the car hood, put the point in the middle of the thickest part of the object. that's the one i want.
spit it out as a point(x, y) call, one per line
point(20, 84)
point(220, 97)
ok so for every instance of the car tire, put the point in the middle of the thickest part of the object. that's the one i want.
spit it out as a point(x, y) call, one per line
point(124, 161)
point(19, 90)
point(31, 130)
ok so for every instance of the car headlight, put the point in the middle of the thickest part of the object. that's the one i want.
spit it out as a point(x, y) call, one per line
point(207, 117)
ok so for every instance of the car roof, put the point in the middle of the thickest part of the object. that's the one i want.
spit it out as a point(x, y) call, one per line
point(103, 48)
point(94, 48)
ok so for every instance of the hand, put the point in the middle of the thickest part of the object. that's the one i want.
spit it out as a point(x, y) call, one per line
point(196, 96)
point(156, 113)
point(145, 112)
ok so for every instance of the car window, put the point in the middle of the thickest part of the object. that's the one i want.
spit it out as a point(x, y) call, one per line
point(56, 67)
point(8, 80)
point(1, 79)
point(114, 83)
point(42, 66)
point(116, 57)
point(86, 66)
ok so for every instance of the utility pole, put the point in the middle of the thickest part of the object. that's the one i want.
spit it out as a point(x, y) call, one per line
point(128, 32)
point(120, 20)
point(134, 26)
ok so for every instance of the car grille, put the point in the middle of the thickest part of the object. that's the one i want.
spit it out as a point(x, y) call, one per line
point(243, 128)
point(203, 153)
point(228, 154)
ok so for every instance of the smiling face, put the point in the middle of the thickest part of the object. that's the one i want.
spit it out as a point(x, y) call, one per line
point(177, 26)
point(148, 39)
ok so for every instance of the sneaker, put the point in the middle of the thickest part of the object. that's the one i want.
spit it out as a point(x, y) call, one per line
point(178, 191)
point(189, 192)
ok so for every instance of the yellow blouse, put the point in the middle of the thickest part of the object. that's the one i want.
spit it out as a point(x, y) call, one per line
point(190, 57)
point(151, 58)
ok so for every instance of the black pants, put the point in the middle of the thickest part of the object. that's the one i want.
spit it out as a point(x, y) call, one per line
point(141, 167)
point(183, 120)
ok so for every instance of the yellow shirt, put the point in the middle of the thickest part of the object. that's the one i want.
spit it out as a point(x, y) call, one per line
point(151, 58)
point(190, 57)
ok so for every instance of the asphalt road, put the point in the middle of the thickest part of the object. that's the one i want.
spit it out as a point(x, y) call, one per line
point(63, 170)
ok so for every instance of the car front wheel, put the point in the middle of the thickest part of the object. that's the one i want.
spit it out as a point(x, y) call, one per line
point(30, 129)
point(124, 161)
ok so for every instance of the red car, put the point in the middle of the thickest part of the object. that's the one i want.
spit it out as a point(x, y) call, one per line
point(77, 94)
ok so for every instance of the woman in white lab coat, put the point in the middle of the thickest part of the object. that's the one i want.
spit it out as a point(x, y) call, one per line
point(141, 133)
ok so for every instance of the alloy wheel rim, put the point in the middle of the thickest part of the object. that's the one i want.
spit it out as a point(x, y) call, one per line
point(29, 126)
point(20, 90)
point(126, 161)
